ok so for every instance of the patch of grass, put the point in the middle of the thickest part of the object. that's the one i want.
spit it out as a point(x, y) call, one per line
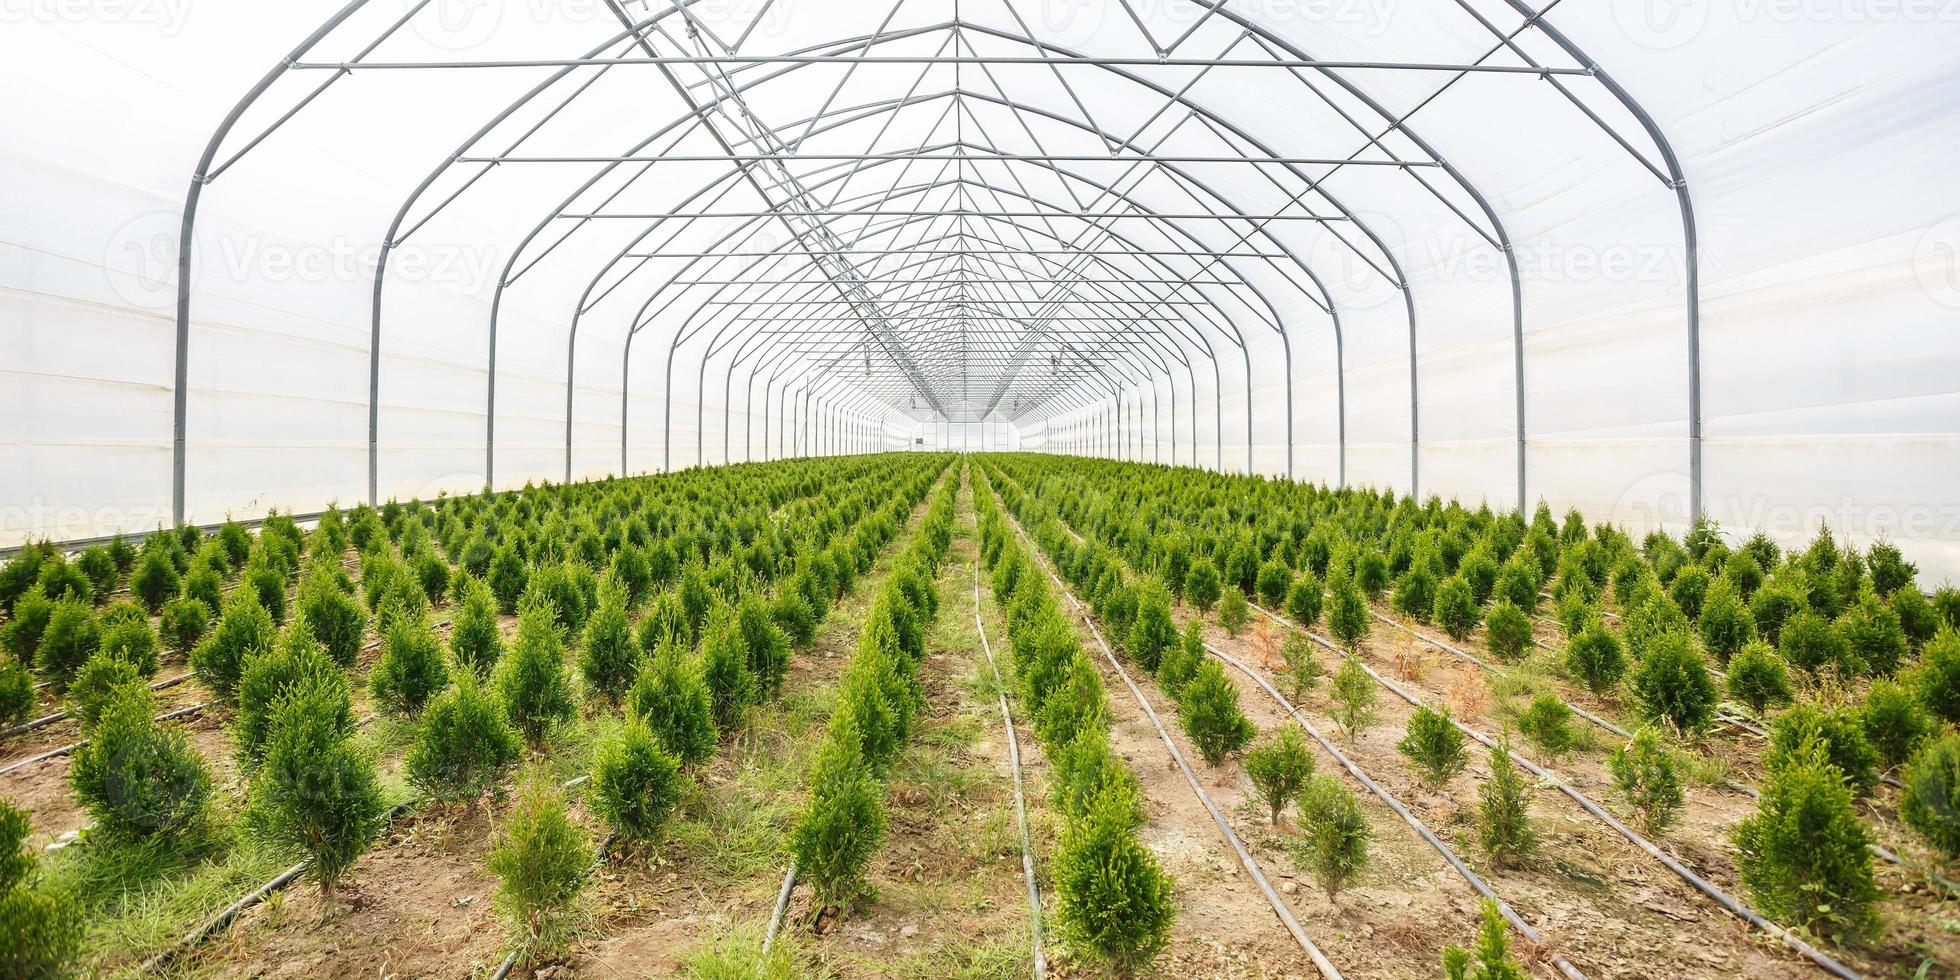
point(141, 896)
point(736, 954)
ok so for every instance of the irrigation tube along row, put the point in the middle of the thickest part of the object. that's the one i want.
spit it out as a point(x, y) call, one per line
point(49, 719)
point(58, 752)
point(1280, 908)
point(1477, 884)
point(1884, 853)
point(1470, 877)
point(1707, 888)
point(1020, 800)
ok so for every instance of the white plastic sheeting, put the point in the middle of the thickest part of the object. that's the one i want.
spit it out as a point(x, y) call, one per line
point(1814, 141)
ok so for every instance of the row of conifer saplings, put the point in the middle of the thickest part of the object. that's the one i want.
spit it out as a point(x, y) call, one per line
point(700, 659)
point(1822, 758)
point(1332, 831)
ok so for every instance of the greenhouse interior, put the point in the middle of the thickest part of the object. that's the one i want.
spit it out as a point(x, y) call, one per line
point(1110, 488)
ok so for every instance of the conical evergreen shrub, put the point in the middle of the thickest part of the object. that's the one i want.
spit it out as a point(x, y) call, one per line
point(463, 746)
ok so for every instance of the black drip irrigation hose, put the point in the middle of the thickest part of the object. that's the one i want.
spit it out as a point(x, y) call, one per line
point(1020, 800)
point(1707, 888)
point(56, 753)
point(1280, 908)
point(224, 919)
point(49, 719)
point(1558, 961)
point(782, 907)
point(1476, 883)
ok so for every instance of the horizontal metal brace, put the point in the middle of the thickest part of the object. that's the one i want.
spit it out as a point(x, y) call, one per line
point(1288, 64)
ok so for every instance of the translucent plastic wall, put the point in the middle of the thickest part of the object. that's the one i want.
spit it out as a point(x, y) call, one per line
point(1619, 223)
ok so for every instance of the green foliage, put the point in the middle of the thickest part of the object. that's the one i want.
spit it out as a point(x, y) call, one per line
point(767, 647)
point(1672, 684)
point(100, 570)
point(1113, 901)
point(1758, 677)
point(672, 697)
point(1504, 828)
point(1547, 722)
point(1803, 854)
point(1456, 609)
point(17, 696)
point(842, 824)
point(40, 929)
point(1279, 769)
point(725, 668)
point(607, 653)
point(1492, 959)
point(245, 628)
point(1508, 630)
point(1233, 611)
point(1086, 769)
point(1179, 662)
point(463, 745)
point(1201, 585)
point(1153, 631)
point(1895, 722)
point(316, 794)
point(1415, 594)
point(1936, 677)
point(1303, 667)
point(1371, 573)
point(72, 636)
point(507, 578)
point(1208, 706)
point(541, 860)
point(1304, 599)
point(1812, 643)
point(183, 623)
point(297, 660)
point(1872, 631)
point(1839, 734)
point(137, 776)
point(636, 782)
point(333, 615)
point(1347, 613)
point(532, 680)
point(96, 682)
point(1275, 583)
point(1647, 775)
point(1079, 703)
point(474, 637)
point(1725, 624)
point(410, 669)
point(21, 635)
point(1353, 697)
point(1433, 745)
point(1917, 618)
point(130, 640)
point(155, 581)
point(1335, 834)
point(1931, 801)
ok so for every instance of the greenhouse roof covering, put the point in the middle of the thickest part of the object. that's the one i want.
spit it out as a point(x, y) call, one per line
point(1647, 258)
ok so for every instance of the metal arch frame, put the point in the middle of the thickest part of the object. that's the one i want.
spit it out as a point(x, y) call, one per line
point(1674, 180)
point(1006, 103)
point(900, 188)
